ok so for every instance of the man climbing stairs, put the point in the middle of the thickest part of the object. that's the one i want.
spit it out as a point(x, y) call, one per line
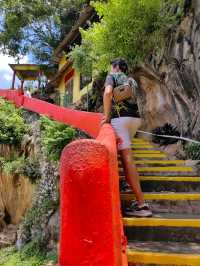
point(172, 235)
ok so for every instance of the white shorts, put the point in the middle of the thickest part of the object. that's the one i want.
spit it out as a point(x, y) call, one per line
point(125, 128)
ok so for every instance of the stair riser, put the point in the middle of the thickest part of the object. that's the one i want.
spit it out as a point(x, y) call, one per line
point(150, 156)
point(172, 207)
point(167, 186)
point(142, 264)
point(169, 173)
point(163, 253)
point(172, 234)
point(153, 164)
point(158, 186)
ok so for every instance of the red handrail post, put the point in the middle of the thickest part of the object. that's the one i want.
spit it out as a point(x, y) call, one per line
point(90, 210)
point(91, 226)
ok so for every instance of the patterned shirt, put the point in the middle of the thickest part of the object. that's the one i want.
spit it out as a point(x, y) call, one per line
point(126, 108)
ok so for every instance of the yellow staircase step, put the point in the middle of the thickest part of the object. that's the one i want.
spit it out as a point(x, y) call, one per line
point(141, 146)
point(155, 155)
point(161, 258)
point(176, 162)
point(172, 196)
point(171, 178)
point(144, 143)
point(165, 169)
point(167, 222)
point(139, 140)
point(147, 152)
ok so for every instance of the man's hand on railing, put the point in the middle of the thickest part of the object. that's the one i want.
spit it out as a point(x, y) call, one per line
point(105, 120)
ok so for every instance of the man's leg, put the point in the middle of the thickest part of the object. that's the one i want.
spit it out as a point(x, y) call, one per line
point(139, 209)
point(131, 174)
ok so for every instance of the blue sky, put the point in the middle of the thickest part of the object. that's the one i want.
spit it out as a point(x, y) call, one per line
point(6, 71)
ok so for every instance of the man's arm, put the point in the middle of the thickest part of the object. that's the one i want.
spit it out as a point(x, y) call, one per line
point(107, 103)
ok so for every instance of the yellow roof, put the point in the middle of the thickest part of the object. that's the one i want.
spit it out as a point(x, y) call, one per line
point(28, 71)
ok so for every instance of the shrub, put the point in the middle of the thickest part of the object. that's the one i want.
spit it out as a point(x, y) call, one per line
point(128, 29)
point(193, 151)
point(55, 136)
point(31, 255)
point(12, 124)
point(14, 167)
point(167, 129)
point(31, 169)
point(21, 166)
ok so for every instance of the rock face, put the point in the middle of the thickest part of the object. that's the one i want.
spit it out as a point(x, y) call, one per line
point(16, 194)
point(8, 236)
point(170, 82)
point(28, 212)
point(43, 215)
point(169, 90)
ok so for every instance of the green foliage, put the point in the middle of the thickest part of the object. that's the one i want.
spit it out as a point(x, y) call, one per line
point(35, 26)
point(31, 255)
point(167, 129)
point(33, 215)
point(2, 162)
point(82, 59)
point(12, 124)
point(31, 169)
point(128, 29)
point(21, 166)
point(193, 151)
point(55, 136)
point(14, 167)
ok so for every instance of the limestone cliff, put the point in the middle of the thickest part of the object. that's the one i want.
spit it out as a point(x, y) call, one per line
point(25, 205)
point(16, 194)
point(170, 81)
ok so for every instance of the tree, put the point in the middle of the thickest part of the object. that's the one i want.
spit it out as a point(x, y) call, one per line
point(35, 26)
point(128, 29)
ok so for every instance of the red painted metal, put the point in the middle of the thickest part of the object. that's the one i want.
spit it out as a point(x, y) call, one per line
point(89, 122)
point(69, 75)
point(91, 225)
point(91, 232)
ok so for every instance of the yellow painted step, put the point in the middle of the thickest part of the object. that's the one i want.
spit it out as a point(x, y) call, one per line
point(155, 155)
point(147, 152)
point(142, 146)
point(176, 162)
point(163, 196)
point(165, 169)
point(140, 139)
point(141, 143)
point(168, 222)
point(171, 178)
point(135, 256)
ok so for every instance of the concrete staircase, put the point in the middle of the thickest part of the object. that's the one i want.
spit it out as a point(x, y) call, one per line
point(172, 235)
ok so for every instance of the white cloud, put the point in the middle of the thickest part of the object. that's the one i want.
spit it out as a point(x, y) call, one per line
point(5, 70)
point(7, 76)
point(5, 60)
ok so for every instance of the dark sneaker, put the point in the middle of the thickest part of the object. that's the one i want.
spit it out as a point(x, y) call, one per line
point(139, 211)
point(124, 187)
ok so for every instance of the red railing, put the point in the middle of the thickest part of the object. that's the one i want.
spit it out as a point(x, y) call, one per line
point(91, 231)
point(88, 122)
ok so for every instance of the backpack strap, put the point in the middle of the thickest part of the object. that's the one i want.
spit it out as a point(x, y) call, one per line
point(114, 81)
point(115, 85)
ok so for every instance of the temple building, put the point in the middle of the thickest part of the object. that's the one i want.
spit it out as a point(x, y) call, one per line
point(69, 83)
point(28, 72)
